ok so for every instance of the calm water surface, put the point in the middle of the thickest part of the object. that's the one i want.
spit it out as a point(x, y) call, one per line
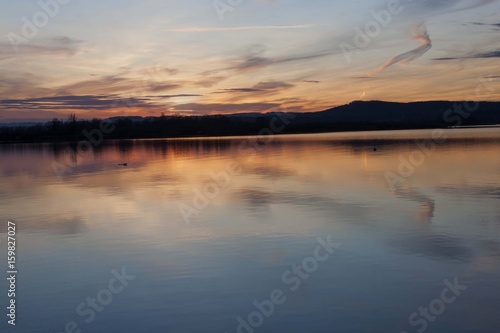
point(202, 253)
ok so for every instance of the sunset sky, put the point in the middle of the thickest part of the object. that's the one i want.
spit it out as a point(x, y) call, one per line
point(191, 57)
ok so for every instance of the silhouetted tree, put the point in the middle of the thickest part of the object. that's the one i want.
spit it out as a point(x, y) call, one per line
point(72, 118)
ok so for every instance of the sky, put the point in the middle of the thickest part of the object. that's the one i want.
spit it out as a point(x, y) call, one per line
point(196, 57)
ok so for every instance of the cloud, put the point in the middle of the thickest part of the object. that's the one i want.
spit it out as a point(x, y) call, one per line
point(161, 87)
point(15, 83)
point(481, 55)
point(487, 24)
point(490, 54)
point(84, 102)
point(256, 62)
point(155, 72)
point(424, 7)
point(95, 93)
point(311, 81)
point(261, 88)
point(475, 4)
point(85, 106)
point(419, 33)
point(209, 82)
point(103, 85)
point(61, 45)
point(205, 109)
point(114, 84)
point(255, 59)
point(237, 90)
point(273, 85)
point(175, 96)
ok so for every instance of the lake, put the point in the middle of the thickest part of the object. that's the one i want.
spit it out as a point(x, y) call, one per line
point(348, 232)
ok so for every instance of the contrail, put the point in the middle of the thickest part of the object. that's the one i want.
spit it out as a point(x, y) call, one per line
point(419, 33)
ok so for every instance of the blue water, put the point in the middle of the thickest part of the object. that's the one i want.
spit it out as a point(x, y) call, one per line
point(198, 262)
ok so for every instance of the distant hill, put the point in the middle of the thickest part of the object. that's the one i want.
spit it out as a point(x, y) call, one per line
point(356, 116)
point(389, 115)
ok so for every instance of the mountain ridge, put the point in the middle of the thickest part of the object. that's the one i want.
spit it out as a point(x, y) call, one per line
point(355, 116)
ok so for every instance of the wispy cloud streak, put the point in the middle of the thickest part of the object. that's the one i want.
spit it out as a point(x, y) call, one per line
point(482, 55)
point(419, 33)
point(256, 27)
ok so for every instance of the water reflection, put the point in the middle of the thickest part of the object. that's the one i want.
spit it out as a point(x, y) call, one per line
point(398, 244)
point(436, 246)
